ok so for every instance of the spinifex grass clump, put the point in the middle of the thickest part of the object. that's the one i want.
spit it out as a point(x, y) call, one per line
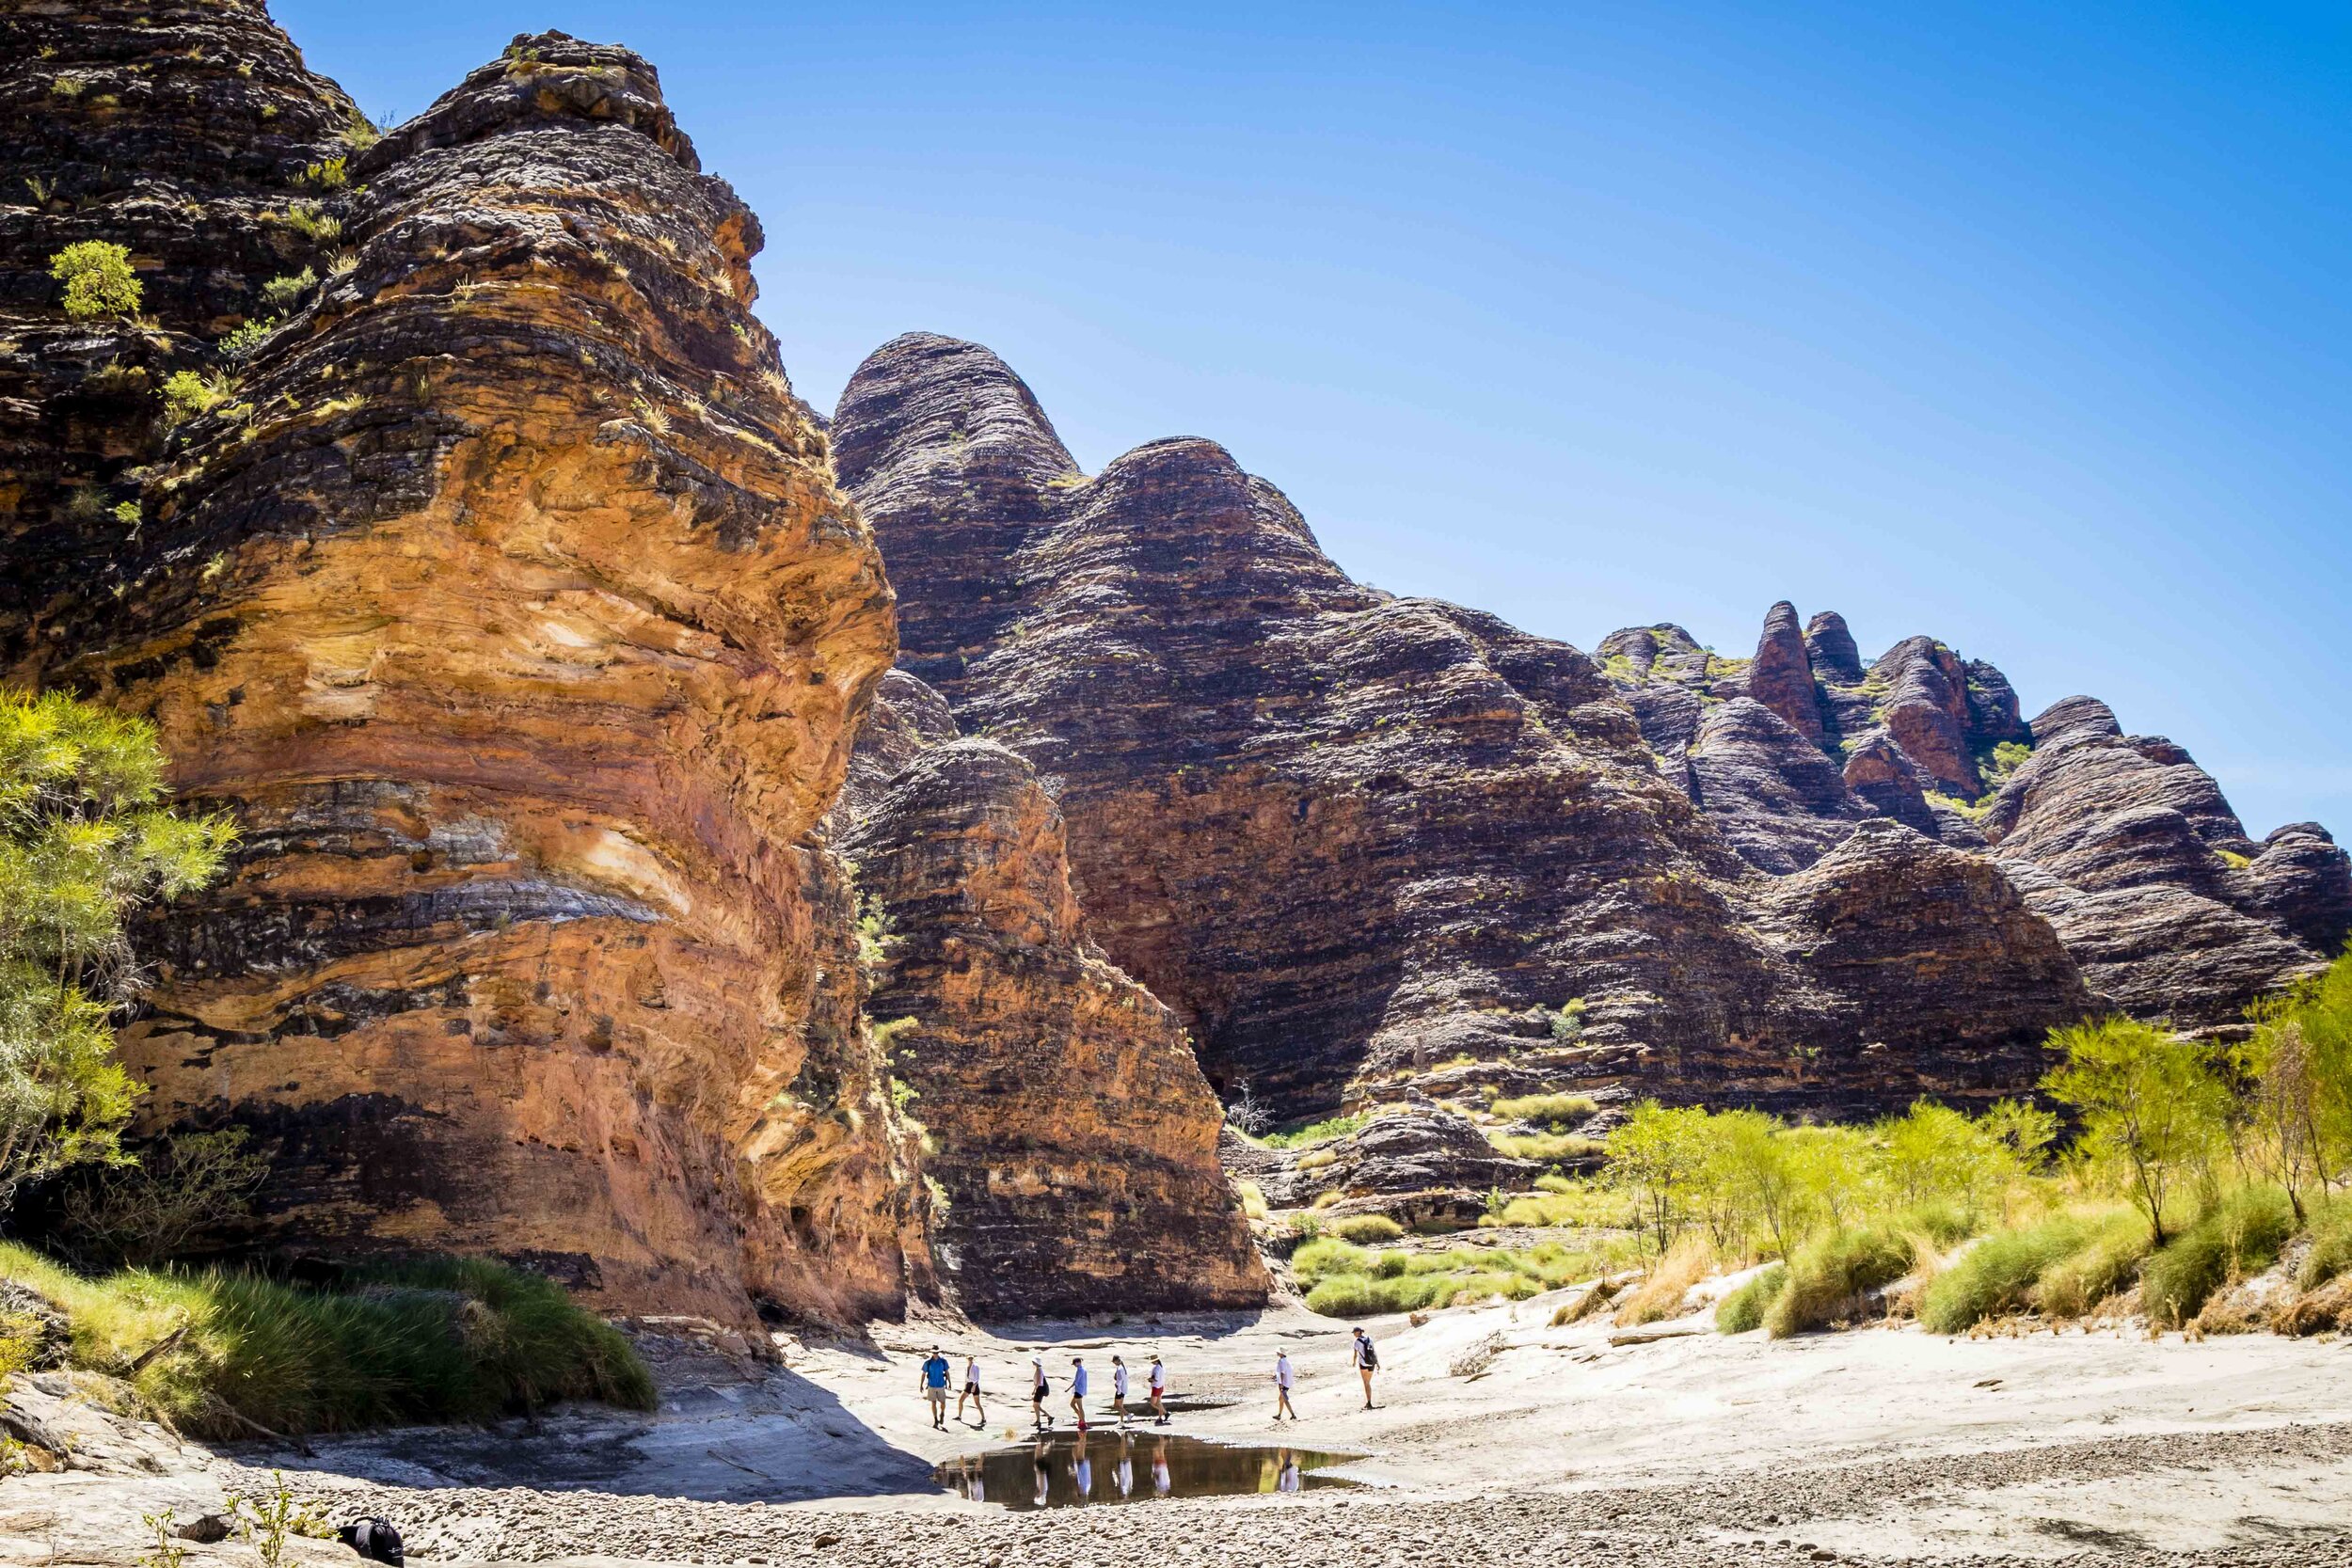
point(2238, 1236)
point(1830, 1276)
point(460, 1339)
point(1998, 1273)
point(1558, 1111)
point(2105, 1265)
point(1343, 1280)
point(1743, 1310)
point(2331, 1245)
point(1545, 1146)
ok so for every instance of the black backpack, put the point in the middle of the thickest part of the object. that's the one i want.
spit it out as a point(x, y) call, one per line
point(1372, 1358)
point(375, 1540)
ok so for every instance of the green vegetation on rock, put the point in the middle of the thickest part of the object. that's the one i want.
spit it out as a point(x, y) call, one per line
point(83, 839)
point(98, 279)
point(221, 1352)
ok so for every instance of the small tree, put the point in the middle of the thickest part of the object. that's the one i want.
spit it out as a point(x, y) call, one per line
point(1759, 1166)
point(2148, 1102)
point(83, 839)
point(144, 1211)
point(98, 279)
point(1840, 1172)
point(1658, 1157)
point(2300, 1063)
point(1933, 1152)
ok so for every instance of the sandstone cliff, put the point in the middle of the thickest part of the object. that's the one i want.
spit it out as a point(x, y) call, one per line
point(1066, 1124)
point(507, 600)
point(1360, 842)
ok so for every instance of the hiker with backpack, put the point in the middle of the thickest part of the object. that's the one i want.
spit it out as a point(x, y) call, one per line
point(934, 1387)
point(1367, 1362)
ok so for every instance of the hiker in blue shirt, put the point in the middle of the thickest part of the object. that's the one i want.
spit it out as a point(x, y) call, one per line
point(935, 1389)
point(1078, 1390)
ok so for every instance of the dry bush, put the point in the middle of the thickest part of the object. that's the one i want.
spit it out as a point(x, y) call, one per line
point(1660, 1296)
point(2327, 1309)
point(1478, 1358)
point(1602, 1292)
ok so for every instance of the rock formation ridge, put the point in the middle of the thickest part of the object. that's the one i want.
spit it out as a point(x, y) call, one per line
point(1362, 842)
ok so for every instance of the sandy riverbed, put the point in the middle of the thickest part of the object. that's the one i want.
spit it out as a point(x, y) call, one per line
point(1882, 1442)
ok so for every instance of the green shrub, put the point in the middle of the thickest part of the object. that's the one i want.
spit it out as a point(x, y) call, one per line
point(2331, 1245)
point(1545, 1146)
point(84, 841)
point(1998, 1273)
point(98, 279)
point(182, 1185)
point(1556, 1110)
point(1367, 1228)
point(2240, 1235)
point(186, 394)
point(1328, 1255)
point(2103, 1265)
point(286, 291)
point(458, 1340)
point(1314, 1133)
point(1830, 1272)
point(1744, 1309)
point(305, 218)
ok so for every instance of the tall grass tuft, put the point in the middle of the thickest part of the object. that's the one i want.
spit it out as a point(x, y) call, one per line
point(2238, 1236)
point(1830, 1273)
point(1660, 1296)
point(1546, 1146)
point(1744, 1309)
point(1557, 1111)
point(459, 1339)
point(2331, 1243)
point(1365, 1228)
point(2105, 1265)
point(1998, 1273)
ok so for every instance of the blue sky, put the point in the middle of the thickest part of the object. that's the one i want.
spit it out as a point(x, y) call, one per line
point(2027, 326)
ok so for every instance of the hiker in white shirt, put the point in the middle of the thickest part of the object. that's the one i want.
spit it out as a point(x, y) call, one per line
point(972, 1390)
point(1157, 1383)
point(1282, 1379)
point(1119, 1390)
point(1037, 1387)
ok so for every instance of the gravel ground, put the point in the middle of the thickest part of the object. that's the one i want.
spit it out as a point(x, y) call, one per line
point(1568, 1448)
point(1760, 1519)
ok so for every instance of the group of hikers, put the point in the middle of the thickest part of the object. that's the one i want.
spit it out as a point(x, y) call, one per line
point(936, 1369)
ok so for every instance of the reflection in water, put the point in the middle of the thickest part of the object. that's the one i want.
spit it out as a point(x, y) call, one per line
point(1072, 1469)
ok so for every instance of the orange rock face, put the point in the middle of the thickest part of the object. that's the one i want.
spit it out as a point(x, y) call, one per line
point(511, 606)
point(1070, 1132)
